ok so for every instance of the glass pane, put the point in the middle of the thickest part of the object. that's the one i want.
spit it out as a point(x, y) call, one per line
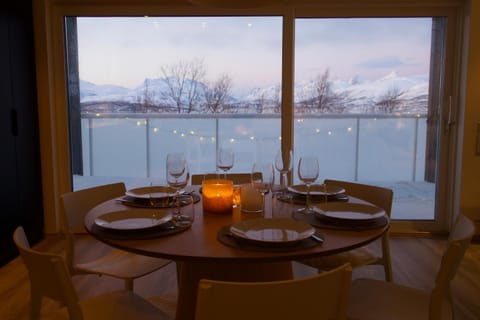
point(153, 85)
point(361, 104)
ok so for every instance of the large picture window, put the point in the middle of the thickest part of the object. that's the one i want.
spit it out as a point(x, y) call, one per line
point(141, 87)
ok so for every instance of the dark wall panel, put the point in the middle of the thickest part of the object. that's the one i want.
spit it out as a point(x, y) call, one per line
point(20, 159)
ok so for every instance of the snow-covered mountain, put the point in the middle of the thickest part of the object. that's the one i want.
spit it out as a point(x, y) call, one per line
point(358, 95)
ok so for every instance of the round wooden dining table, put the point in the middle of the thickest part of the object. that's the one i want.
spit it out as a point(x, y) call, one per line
point(199, 254)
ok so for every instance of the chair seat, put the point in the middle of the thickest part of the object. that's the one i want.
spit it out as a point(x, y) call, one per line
point(122, 264)
point(120, 305)
point(389, 301)
point(357, 258)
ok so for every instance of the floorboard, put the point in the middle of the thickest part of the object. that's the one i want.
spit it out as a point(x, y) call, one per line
point(415, 263)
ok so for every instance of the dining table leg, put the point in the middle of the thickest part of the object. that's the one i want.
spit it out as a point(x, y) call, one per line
point(189, 273)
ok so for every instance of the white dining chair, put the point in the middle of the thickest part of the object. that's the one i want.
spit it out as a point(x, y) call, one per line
point(321, 297)
point(112, 262)
point(366, 255)
point(378, 300)
point(50, 278)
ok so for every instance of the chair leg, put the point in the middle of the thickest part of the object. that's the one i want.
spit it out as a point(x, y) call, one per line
point(129, 284)
point(35, 304)
point(387, 261)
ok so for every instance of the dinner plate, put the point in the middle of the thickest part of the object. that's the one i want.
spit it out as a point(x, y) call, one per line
point(151, 192)
point(272, 230)
point(349, 211)
point(317, 190)
point(132, 219)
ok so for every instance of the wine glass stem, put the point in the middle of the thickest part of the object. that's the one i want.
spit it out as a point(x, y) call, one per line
point(283, 183)
point(263, 204)
point(307, 200)
point(177, 196)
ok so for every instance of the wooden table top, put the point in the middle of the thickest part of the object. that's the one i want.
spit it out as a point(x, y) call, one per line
point(200, 243)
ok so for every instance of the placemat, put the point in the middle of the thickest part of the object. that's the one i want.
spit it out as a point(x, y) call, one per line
point(224, 236)
point(163, 230)
point(340, 225)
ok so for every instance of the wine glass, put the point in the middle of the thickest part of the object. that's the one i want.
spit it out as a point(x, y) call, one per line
point(283, 164)
point(262, 179)
point(308, 173)
point(225, 159)
point(177, 176)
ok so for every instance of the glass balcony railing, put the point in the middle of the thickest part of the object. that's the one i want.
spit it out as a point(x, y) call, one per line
point(386, 150)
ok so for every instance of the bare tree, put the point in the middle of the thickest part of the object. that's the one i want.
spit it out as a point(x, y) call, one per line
point(277, 99)
point(217, 94)
point(260, 101)
point(323, 91)
point(148, 97)
point(183, 80)
point(390, 100)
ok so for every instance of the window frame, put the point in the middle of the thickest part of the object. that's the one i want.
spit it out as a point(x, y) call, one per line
point(52, 93)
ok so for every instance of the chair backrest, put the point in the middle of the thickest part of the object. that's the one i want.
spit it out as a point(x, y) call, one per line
point(379, 196)
point(76, 205)
point(458, 242)
point(323, 296)
point(237, 178)
point(49, 277)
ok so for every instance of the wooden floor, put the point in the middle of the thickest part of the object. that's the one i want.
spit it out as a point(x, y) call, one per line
point(415, 262)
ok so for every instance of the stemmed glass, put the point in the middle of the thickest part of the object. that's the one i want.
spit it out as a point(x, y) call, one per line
point(283, 164)
point(262, 180)
point(308, 173)
point(225, 159)
point(177, 177)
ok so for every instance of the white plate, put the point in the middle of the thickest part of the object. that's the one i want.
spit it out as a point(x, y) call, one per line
point(151, 192)
point(132, 219)
point(349, 211)
point(272, 230)
point(317, 190)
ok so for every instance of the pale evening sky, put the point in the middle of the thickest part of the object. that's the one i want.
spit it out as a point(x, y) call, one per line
point(125, 51)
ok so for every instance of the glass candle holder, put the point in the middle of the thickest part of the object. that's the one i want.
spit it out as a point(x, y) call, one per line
point(217, 195)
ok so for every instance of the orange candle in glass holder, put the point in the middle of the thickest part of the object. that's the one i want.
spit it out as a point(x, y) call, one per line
point(217, 195)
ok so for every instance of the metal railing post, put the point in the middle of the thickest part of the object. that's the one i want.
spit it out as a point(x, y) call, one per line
point(415, 150)
point(357, 147)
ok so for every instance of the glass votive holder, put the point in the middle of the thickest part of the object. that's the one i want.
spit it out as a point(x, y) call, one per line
point(217, 196)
